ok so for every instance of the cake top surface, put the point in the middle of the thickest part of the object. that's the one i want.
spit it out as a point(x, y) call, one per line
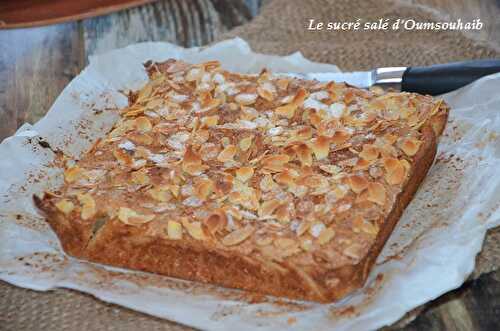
point(281, 168)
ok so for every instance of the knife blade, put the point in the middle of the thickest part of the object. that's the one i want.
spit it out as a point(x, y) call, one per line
point(433, 80)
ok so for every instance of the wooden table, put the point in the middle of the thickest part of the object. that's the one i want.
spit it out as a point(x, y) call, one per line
point(37, 63)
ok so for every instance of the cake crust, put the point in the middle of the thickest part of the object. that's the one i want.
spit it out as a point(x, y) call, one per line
point(216, 206)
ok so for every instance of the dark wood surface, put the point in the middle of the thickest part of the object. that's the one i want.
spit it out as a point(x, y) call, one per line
point(37, 63)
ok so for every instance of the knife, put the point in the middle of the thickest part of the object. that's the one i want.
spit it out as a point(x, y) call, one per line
point(433, 80)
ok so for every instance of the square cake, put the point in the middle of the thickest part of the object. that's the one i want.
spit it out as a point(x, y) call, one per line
point(265, 183)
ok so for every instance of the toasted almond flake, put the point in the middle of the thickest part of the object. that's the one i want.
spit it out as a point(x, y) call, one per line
point(300, 96)
point(160, 193)
point(244, 173)
point(238, 236)
point(275, 160)
point(287, 110)
point(264, 241)
point(88, 205)
point(340, 137)
point(65, 206)
point(194, 229)
point(268, 207)
point(174, 230)
point(140, 177)
point(284, 243)
point(143, 124)
point(209, 121)
point(267, 183)
point(245, 143)
point(410, 146)
point(265, 93)
point(282, 83)
point(395, 171)
point(122, 157)
point(304, 154)
point(216, 222)
point(376, 193)
point(357, 183)
point(316, 229)
point(336, 109)
point(203, 189)
point(194, 74)
point(306, 245)
point(302, 228)
point(325, 236)
point(127, 145)
point(72, 174)
point(139, 138)
point(285, 178)
point(227, 154)
point(321, 147)
point(131, 217)
point(369, 152)
point(245, 99)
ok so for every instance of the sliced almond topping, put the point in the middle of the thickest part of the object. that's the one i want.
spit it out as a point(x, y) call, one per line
point(357, 183)
point(304, 154)
point(275, 162)
point(321, 147)
point(131, 217)
point(306, 245)
point(141, 138)
point(174, 230)
point(285, 243)
point(325, 236)
point(303, 227)
point(216, 222)
point(160, 193)
point(282, 83)
point(285, 178)
point(88, 205)
point(192, 163)
point(340, 137)
point(264, 241)
point(395, 171)
point(300, 97)
point(282, 214)
point(245, 99)
point(410, 146)
point(365, 226)
point(265, 93)
point(123, 157)
point(376, 193)
point(266, 183)
point(143, 124)
point(238, 236)
point(287, 110)
point(140, 177)
point(390, 138)
point(268, 207)
point(244, 173)
point(227, 153)
point(316, 229)
point(203, 189)
point(73, 174)
point(65, 206)
point(194, 229)
point(369, 152)
point(245, 143)
point(209, 121)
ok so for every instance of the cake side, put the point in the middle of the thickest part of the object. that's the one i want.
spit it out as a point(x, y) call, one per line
point(302, 272)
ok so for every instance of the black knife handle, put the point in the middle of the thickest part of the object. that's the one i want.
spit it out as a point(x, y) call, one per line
point(442, 78)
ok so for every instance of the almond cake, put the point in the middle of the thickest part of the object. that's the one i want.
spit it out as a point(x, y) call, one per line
point(265, 183)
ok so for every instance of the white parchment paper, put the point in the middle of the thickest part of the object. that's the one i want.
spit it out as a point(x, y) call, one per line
point(432, 250)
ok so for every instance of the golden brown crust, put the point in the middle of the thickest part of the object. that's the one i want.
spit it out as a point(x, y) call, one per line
point(116, 221)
